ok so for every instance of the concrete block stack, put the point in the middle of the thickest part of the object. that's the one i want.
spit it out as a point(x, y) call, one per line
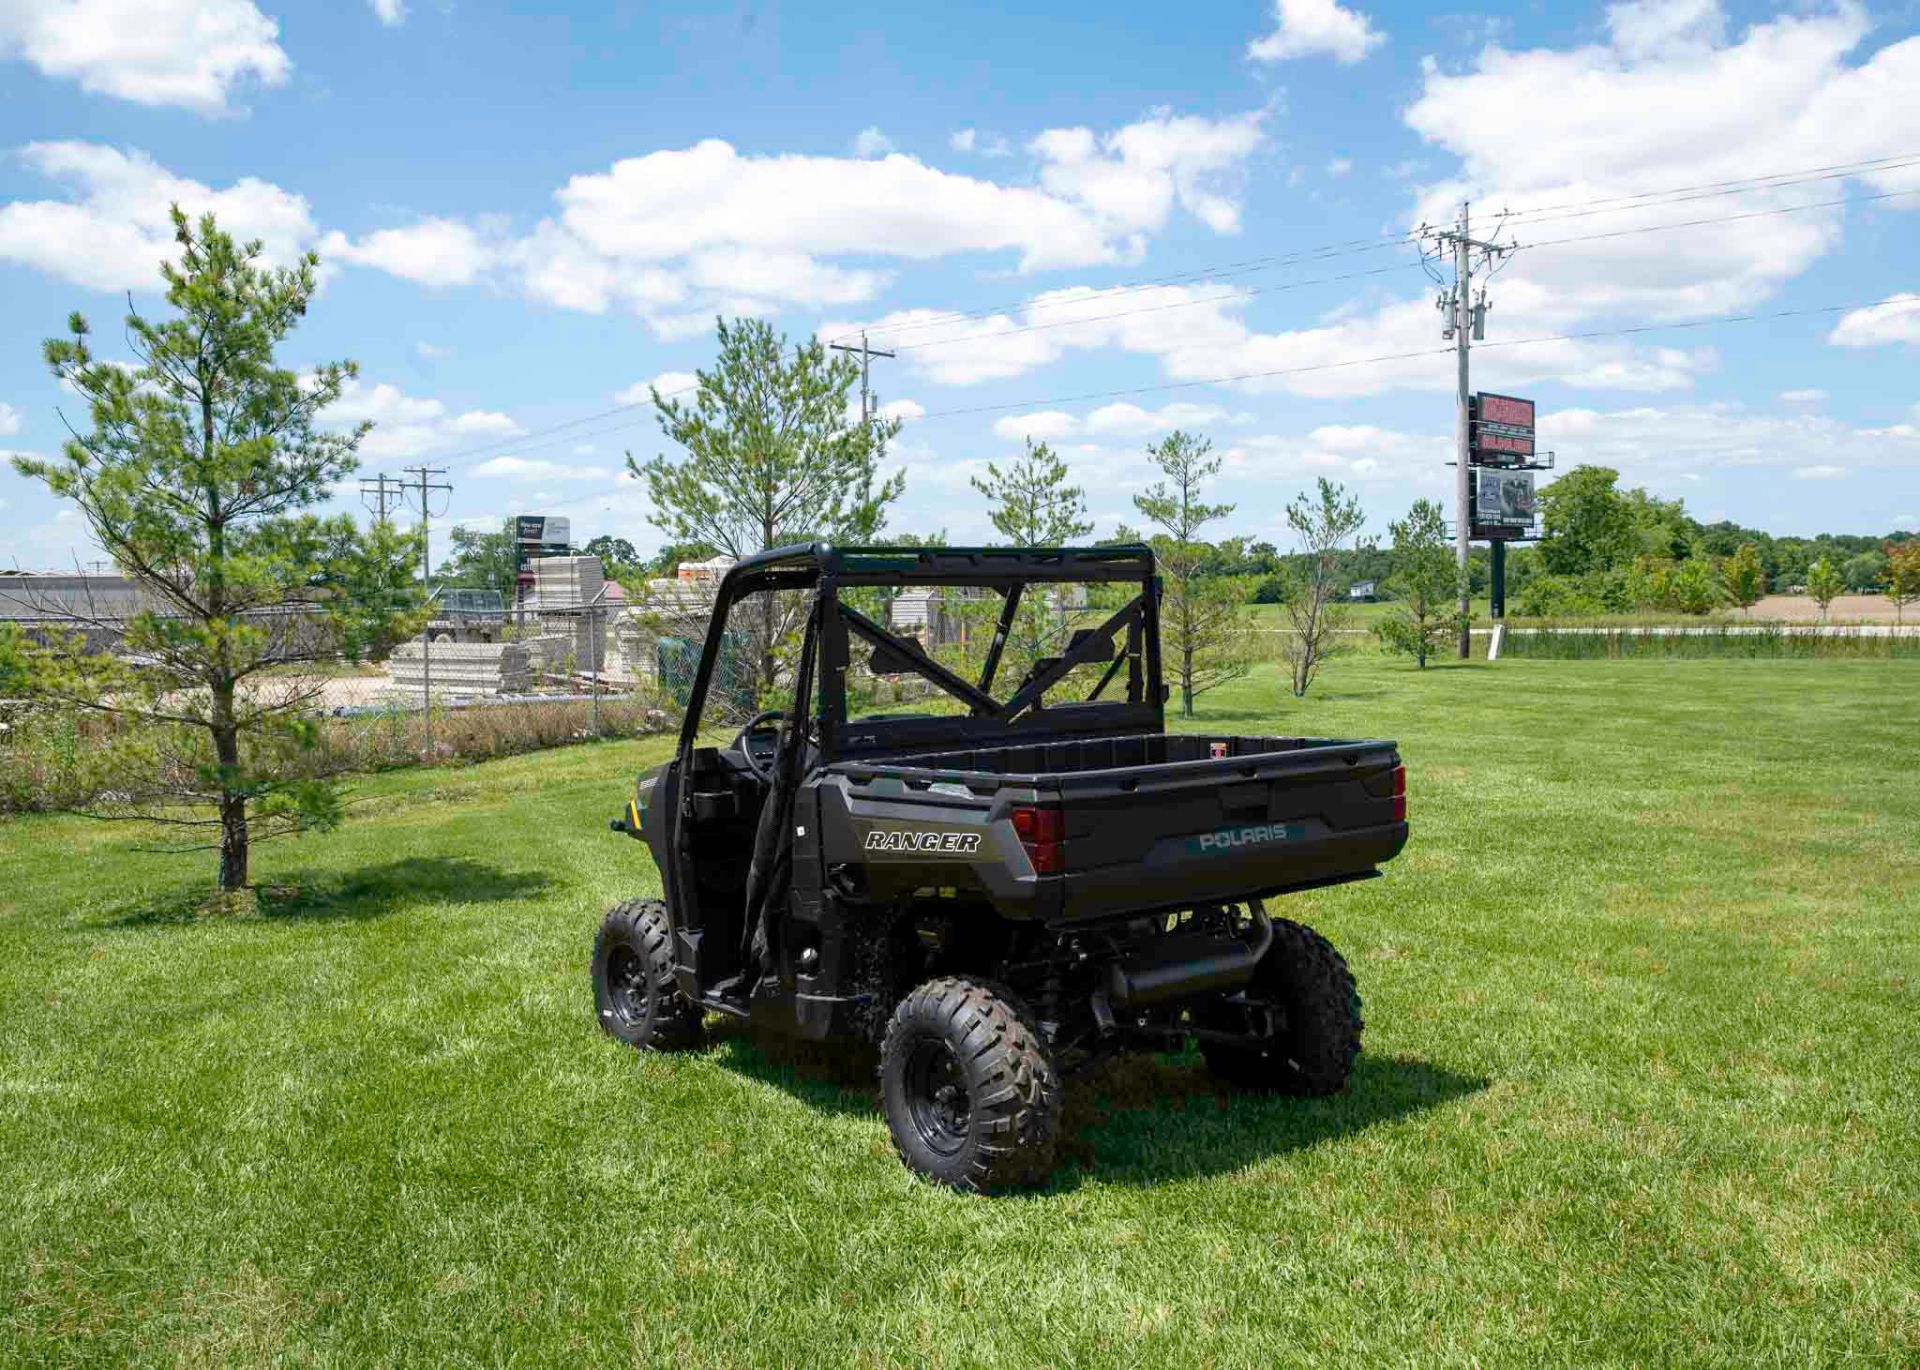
point(563, 590)
point(459, 668)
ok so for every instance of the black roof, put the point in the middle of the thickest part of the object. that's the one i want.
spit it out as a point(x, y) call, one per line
point(860, 565)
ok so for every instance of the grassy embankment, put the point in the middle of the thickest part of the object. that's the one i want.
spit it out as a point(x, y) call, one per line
point(1639, 1083)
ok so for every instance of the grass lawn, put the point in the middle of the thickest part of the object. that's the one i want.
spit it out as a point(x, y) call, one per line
point(1643, 1004)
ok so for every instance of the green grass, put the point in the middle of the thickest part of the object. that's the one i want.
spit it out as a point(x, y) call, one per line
point(1639, 1084)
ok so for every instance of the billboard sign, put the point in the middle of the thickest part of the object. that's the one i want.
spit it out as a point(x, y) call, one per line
point(1501, 430)
point(1502, 503)
point(544, 529)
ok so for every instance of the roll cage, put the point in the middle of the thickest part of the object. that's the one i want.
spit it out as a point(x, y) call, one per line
point(1127, 639)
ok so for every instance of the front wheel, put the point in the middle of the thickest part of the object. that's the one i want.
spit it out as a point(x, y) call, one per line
point(1301, 1015)
point(634, 992)
point(969, 1087)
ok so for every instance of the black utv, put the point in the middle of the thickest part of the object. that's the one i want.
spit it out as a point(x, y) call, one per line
point(998, 887)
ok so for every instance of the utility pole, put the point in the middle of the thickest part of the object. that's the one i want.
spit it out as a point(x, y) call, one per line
point(1465, 319)
point(424, 491)
point(380, 493)
point(867, 354)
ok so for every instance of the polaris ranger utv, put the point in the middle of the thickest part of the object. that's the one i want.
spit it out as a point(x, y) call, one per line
point(997, 888)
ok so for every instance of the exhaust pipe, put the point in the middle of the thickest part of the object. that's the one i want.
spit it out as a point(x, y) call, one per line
point(1189, 966)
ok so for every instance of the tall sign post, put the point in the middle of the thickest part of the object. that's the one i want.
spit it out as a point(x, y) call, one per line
point(1501, 459)
point(1465, 316)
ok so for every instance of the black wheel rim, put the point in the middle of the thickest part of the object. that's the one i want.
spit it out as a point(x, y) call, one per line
point(627, 984)
point(937, 1098)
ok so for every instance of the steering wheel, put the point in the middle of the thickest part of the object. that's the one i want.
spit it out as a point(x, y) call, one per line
point(762, 770)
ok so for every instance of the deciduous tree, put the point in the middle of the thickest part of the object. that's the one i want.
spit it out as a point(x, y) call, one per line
point(1743, 576)
point(1903, 576)
point(1315, 617)
point(1824, 584)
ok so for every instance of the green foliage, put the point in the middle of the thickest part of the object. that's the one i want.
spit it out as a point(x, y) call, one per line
point(484, 558)
point(1903, 576)
point(1824, 584)
point(1743, 576)
point(1736, 641)
point(1426, 582)
point(1032, 503)
point(1588, 524)
point(1204, 632)
point(618, 559)
point(771, 457)
point(1316, 618)
point(1693, 587)
point(197, 475)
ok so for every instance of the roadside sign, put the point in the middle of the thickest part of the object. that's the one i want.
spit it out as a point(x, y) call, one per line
point(1501, 430)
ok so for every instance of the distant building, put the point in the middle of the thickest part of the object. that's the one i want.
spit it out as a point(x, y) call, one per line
point(706, 572)
point(1363, 592)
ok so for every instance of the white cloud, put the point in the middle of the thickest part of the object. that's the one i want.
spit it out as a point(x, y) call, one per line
point(10, 420)
point(678, 235)
point(484, 423)
point(1906, 521)
point(436, 252)
point(871, 142)
point(1044, 426)
point(1895, 319)
point(389, 12)
point(1339, 166)
point(1133, 176)
point(904, 410)
point(190, 53)
point(1199, 334)
point(1802, 396)
point(963, 140)
point(668, 383)
point(1113, 420)
point(432, 352)
point(1657, 445)
point(1663, 28)
point(115, 232)
point(524, 468)
point(1626, 122)
point(409, 425)
point(1316, 28)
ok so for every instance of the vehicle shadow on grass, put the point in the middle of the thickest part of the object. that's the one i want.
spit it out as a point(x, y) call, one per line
point(360, 894)
point(1137, 1119)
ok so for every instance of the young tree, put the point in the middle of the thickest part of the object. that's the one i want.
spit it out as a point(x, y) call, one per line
point(1743, 576)
point(1203, 620)
point(1824, 584)
point(1903, 576)
point(1427, 583)
point(194, 477)
point(1033, 506)
point(771, 459)
point(1588, 524)
point(1694, 586)
point(1315, 617)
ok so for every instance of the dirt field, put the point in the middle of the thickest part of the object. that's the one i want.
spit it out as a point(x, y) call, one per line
point(1846, 609)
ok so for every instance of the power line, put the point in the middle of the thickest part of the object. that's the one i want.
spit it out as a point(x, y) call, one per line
point(1777, 180)
point(1377, 271)
point(1744, 185)
point(1400, 356)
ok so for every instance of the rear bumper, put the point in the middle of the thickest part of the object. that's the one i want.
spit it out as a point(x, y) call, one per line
point(1251, 861)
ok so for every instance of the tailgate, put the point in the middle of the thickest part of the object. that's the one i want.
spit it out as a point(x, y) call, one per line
point(1260, 816)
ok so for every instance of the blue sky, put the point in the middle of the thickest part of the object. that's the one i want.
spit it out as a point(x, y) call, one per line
point(523, 216)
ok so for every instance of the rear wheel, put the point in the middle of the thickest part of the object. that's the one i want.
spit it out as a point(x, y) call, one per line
point(1302, 1014)
point(969, 1088)
point(634, 992)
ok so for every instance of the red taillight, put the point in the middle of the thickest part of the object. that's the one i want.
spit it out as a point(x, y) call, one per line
point(1399, 794)
point(1040, 832)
